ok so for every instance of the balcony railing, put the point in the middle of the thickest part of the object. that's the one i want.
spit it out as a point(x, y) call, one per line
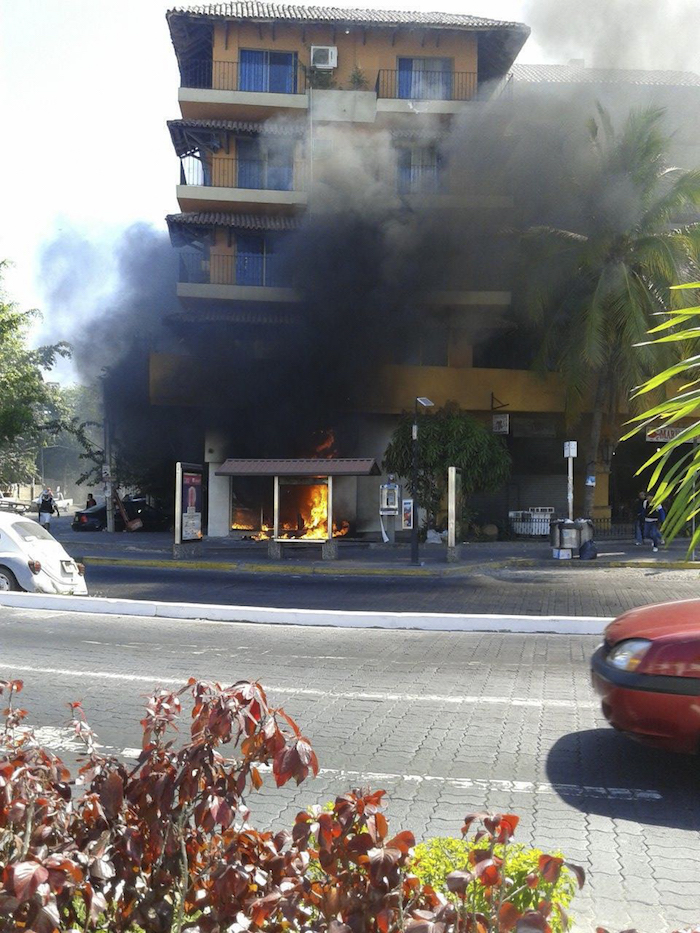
point(234, 76)
point(427, 85)
point(421, 179)
point(259, 174)
point(243, 269)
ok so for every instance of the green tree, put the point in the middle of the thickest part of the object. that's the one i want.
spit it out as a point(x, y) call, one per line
point(449, 437)
point(28, 404)
point(593, 284)
point(676, 392)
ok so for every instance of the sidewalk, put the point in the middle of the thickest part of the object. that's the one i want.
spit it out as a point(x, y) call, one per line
point(356, 558)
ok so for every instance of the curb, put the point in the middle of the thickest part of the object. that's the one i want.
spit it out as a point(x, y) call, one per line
point(304, 569)
point(657, 564)
point(429, 621)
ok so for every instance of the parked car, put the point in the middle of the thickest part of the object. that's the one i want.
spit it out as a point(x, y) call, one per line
point(11, 504)
point(31, 559)
point(647, 673)
point(95, 518)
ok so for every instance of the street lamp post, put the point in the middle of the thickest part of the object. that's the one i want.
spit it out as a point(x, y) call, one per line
point(425, 403)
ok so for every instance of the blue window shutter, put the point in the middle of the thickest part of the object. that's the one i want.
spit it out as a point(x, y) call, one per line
point(403, 170)
point(249, 259)
point(405, 77)
point(282, 72)
point(250, 165)
point(252, 70)
point(280, 167)
point(277, 271)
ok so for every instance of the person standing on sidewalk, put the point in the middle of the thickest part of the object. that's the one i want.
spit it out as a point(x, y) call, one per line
point(639, 519)
point(47, 507)
point(653, 516)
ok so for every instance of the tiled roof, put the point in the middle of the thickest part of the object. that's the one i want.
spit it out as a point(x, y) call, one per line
point(241, 126)
point(578, 74)
point(332, 466)
point(241, 221)
point(252, 9)
point(191, 135)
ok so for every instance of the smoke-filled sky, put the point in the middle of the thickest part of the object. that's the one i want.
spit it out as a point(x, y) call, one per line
point(89, 85)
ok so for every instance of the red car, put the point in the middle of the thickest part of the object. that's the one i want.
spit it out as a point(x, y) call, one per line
point(647, 673)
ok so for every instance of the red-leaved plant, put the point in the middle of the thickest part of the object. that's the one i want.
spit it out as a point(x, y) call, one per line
point(167, 845)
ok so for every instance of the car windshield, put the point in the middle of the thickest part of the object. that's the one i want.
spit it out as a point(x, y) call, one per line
point(31, 531)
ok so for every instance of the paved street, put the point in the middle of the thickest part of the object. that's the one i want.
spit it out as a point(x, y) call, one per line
point(445, 722)
point(575, 591)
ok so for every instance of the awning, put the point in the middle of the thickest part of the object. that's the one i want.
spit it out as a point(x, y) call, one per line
point(335, 466)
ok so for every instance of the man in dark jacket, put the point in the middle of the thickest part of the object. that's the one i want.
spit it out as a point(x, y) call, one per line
point(47, 507)
point(653, 516)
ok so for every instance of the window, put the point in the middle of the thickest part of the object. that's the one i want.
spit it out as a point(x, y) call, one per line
point(420, 170)
point(258, 260)
point(425, 347)
point(31, 531)
point(275, 72)
point(425, 78)
point(270, 167)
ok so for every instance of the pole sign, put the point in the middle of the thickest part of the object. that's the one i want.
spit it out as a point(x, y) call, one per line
point(570, 449)
point(406, 514)
point(189, 502)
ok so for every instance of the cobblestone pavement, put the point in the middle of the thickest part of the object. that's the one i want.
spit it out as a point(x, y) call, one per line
point(556, 591)
point(446, 722)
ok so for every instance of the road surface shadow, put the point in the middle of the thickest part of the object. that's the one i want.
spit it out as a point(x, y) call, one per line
point(602, 772)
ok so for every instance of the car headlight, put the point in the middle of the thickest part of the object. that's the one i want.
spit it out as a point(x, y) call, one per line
point(628, 655)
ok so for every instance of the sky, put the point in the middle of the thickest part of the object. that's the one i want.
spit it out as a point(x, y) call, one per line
point(88, 86)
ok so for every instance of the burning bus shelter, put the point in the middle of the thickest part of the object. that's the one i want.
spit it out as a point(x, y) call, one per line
point(302, 499)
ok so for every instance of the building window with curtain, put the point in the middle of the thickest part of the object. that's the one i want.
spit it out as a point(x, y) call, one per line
point(420, 170)
point(262, 70)
point(259, 260)
point(265, 166)
point(425, 78)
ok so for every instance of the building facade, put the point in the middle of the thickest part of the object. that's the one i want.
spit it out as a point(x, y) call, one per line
point(267, 94)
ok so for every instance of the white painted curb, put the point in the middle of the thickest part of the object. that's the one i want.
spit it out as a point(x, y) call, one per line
point(425, 621)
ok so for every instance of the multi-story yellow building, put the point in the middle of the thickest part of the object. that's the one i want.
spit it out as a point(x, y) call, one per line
point(262, 86)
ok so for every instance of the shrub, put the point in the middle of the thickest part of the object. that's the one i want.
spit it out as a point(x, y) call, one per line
point(435, 859)
point(167, 846)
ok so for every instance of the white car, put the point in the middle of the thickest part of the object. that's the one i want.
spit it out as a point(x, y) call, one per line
point(31, 559)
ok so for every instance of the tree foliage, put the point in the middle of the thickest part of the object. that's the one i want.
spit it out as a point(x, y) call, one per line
point(593, 283)
point(447, 437)
point(28, 405)
point(677, 462)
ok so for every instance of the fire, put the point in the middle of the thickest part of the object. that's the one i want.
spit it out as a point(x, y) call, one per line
point(312, 522)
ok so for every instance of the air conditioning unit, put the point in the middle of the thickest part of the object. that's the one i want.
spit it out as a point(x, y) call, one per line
point(324, 57)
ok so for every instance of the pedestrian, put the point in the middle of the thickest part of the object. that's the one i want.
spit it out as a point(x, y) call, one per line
point(639, 519)
point(91, 501)
point(47, 507)
point(653, 516)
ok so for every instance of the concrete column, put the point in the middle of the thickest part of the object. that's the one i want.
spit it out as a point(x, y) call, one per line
point(219, 503)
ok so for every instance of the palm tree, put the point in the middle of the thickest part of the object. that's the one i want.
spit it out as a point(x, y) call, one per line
point(593, 283)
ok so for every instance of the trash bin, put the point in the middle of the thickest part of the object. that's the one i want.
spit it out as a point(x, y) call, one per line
point(570, 535)
point(585, 526)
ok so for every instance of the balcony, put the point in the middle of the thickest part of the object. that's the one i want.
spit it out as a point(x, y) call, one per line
point(416, 91)
point(247, 276)
point(209, 89)
point(238, 184)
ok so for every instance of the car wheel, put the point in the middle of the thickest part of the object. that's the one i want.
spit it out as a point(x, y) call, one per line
point(8, 581)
